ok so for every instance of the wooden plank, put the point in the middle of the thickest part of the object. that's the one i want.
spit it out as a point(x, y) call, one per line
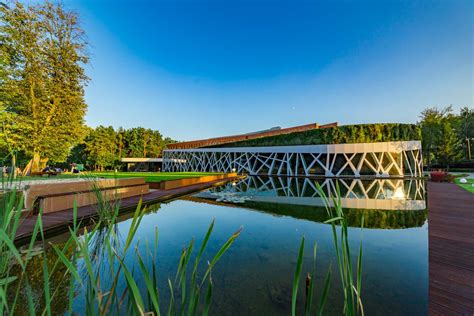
point(451, 249)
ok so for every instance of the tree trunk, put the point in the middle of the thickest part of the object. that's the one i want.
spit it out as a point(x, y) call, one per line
point(35, 166)
point(13, 170)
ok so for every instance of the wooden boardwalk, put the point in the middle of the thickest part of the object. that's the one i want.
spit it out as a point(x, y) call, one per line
point(451, 250)
point(58, 222)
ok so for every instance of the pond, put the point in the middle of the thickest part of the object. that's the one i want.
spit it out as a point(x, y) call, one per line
point(254, 277)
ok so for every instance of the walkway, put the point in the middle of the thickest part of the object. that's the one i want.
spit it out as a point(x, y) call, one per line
point(451, 250)
point(57, 222)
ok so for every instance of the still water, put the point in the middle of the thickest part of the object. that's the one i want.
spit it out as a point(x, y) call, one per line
point(255, 276)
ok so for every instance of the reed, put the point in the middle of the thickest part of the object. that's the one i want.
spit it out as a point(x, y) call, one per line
point(351, 284)
point(92, 261)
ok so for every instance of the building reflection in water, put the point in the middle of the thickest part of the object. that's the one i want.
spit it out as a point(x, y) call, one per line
point(384, 203)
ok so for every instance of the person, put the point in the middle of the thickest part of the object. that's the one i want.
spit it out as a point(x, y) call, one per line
point(47, 169)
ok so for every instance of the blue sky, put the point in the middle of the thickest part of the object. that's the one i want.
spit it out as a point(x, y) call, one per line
point(197, 69)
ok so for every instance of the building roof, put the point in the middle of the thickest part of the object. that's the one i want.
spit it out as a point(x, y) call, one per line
point(136, 160)
point(236, 138)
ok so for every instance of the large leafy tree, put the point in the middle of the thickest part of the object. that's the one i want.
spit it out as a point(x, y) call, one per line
point(42, 84)
point(431, 129)
point(100, 147)
point(448, 145)
point(444, 132)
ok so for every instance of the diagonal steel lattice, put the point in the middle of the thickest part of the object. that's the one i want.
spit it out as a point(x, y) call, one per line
point(410, 189)
point(388, 159)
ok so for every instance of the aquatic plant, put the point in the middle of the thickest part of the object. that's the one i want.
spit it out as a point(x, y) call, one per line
point(97, 274)
point(351, 286)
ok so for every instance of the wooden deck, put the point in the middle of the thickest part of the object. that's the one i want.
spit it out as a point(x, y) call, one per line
point(451, 250)
point(58, 222)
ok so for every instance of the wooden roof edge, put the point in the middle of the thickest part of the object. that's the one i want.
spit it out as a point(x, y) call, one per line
point(248, 136)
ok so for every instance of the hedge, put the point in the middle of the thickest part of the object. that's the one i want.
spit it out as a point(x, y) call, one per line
point(362, 133)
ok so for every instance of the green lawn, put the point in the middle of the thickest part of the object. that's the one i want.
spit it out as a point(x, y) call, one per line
point(154, 176)
point(149, 176)
point(468, 186)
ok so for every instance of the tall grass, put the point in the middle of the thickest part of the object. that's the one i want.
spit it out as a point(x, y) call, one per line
point(93, 262)
point(351, 284)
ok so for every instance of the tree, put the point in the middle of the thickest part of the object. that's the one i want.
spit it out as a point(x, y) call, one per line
point(103, 147)
point(100, 147)
point(431, 128)
point(466, 129)
point(43, 89)
point(448, 148)
point(444, 134)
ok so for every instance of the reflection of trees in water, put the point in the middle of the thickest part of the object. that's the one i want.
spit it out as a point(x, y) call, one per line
point(59, 284)
point(384, 219)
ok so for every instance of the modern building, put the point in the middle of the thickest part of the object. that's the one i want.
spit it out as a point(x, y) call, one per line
point(377, 159)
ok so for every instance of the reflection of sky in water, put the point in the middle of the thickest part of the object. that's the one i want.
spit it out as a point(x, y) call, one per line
point(255, 275)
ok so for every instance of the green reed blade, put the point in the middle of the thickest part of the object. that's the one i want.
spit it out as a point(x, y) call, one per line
point(219, 254)
point(68, 264)
point(207, 302)
point(149, 284)
point(5, 239)
point(325, 292)
point(170, 307)
point(132, 285)
point(296, 278)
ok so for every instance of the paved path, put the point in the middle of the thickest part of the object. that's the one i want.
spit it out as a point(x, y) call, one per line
point(58, 222)
point(451, 249)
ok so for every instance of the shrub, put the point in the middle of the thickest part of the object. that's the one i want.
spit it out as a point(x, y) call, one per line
point(441, 176)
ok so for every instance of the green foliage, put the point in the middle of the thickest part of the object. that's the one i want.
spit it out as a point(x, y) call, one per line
point(364, 133)
point(103, 147)
point(42, 79)
point(445, 134)
point(373, 218)
point(100, 147)
point(351, 287)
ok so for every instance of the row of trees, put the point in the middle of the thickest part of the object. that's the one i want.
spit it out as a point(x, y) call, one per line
point(103, 147)
point(447, 137)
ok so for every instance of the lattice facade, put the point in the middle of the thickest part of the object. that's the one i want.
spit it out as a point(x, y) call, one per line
point(381, 189)
point(380, 194)
point(388, 159)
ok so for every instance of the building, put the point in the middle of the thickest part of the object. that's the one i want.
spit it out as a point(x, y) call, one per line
point(143, 164)
point(380, 159)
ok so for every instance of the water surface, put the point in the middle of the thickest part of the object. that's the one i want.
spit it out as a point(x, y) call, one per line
point(254, 277)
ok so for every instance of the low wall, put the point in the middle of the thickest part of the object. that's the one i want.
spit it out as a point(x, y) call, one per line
point(33, 191)
point(56, 203)
point(173, 184)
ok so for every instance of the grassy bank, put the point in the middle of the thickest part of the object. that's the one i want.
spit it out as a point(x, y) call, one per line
point(149, 176)
point(153, 176)
point(469, 186)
